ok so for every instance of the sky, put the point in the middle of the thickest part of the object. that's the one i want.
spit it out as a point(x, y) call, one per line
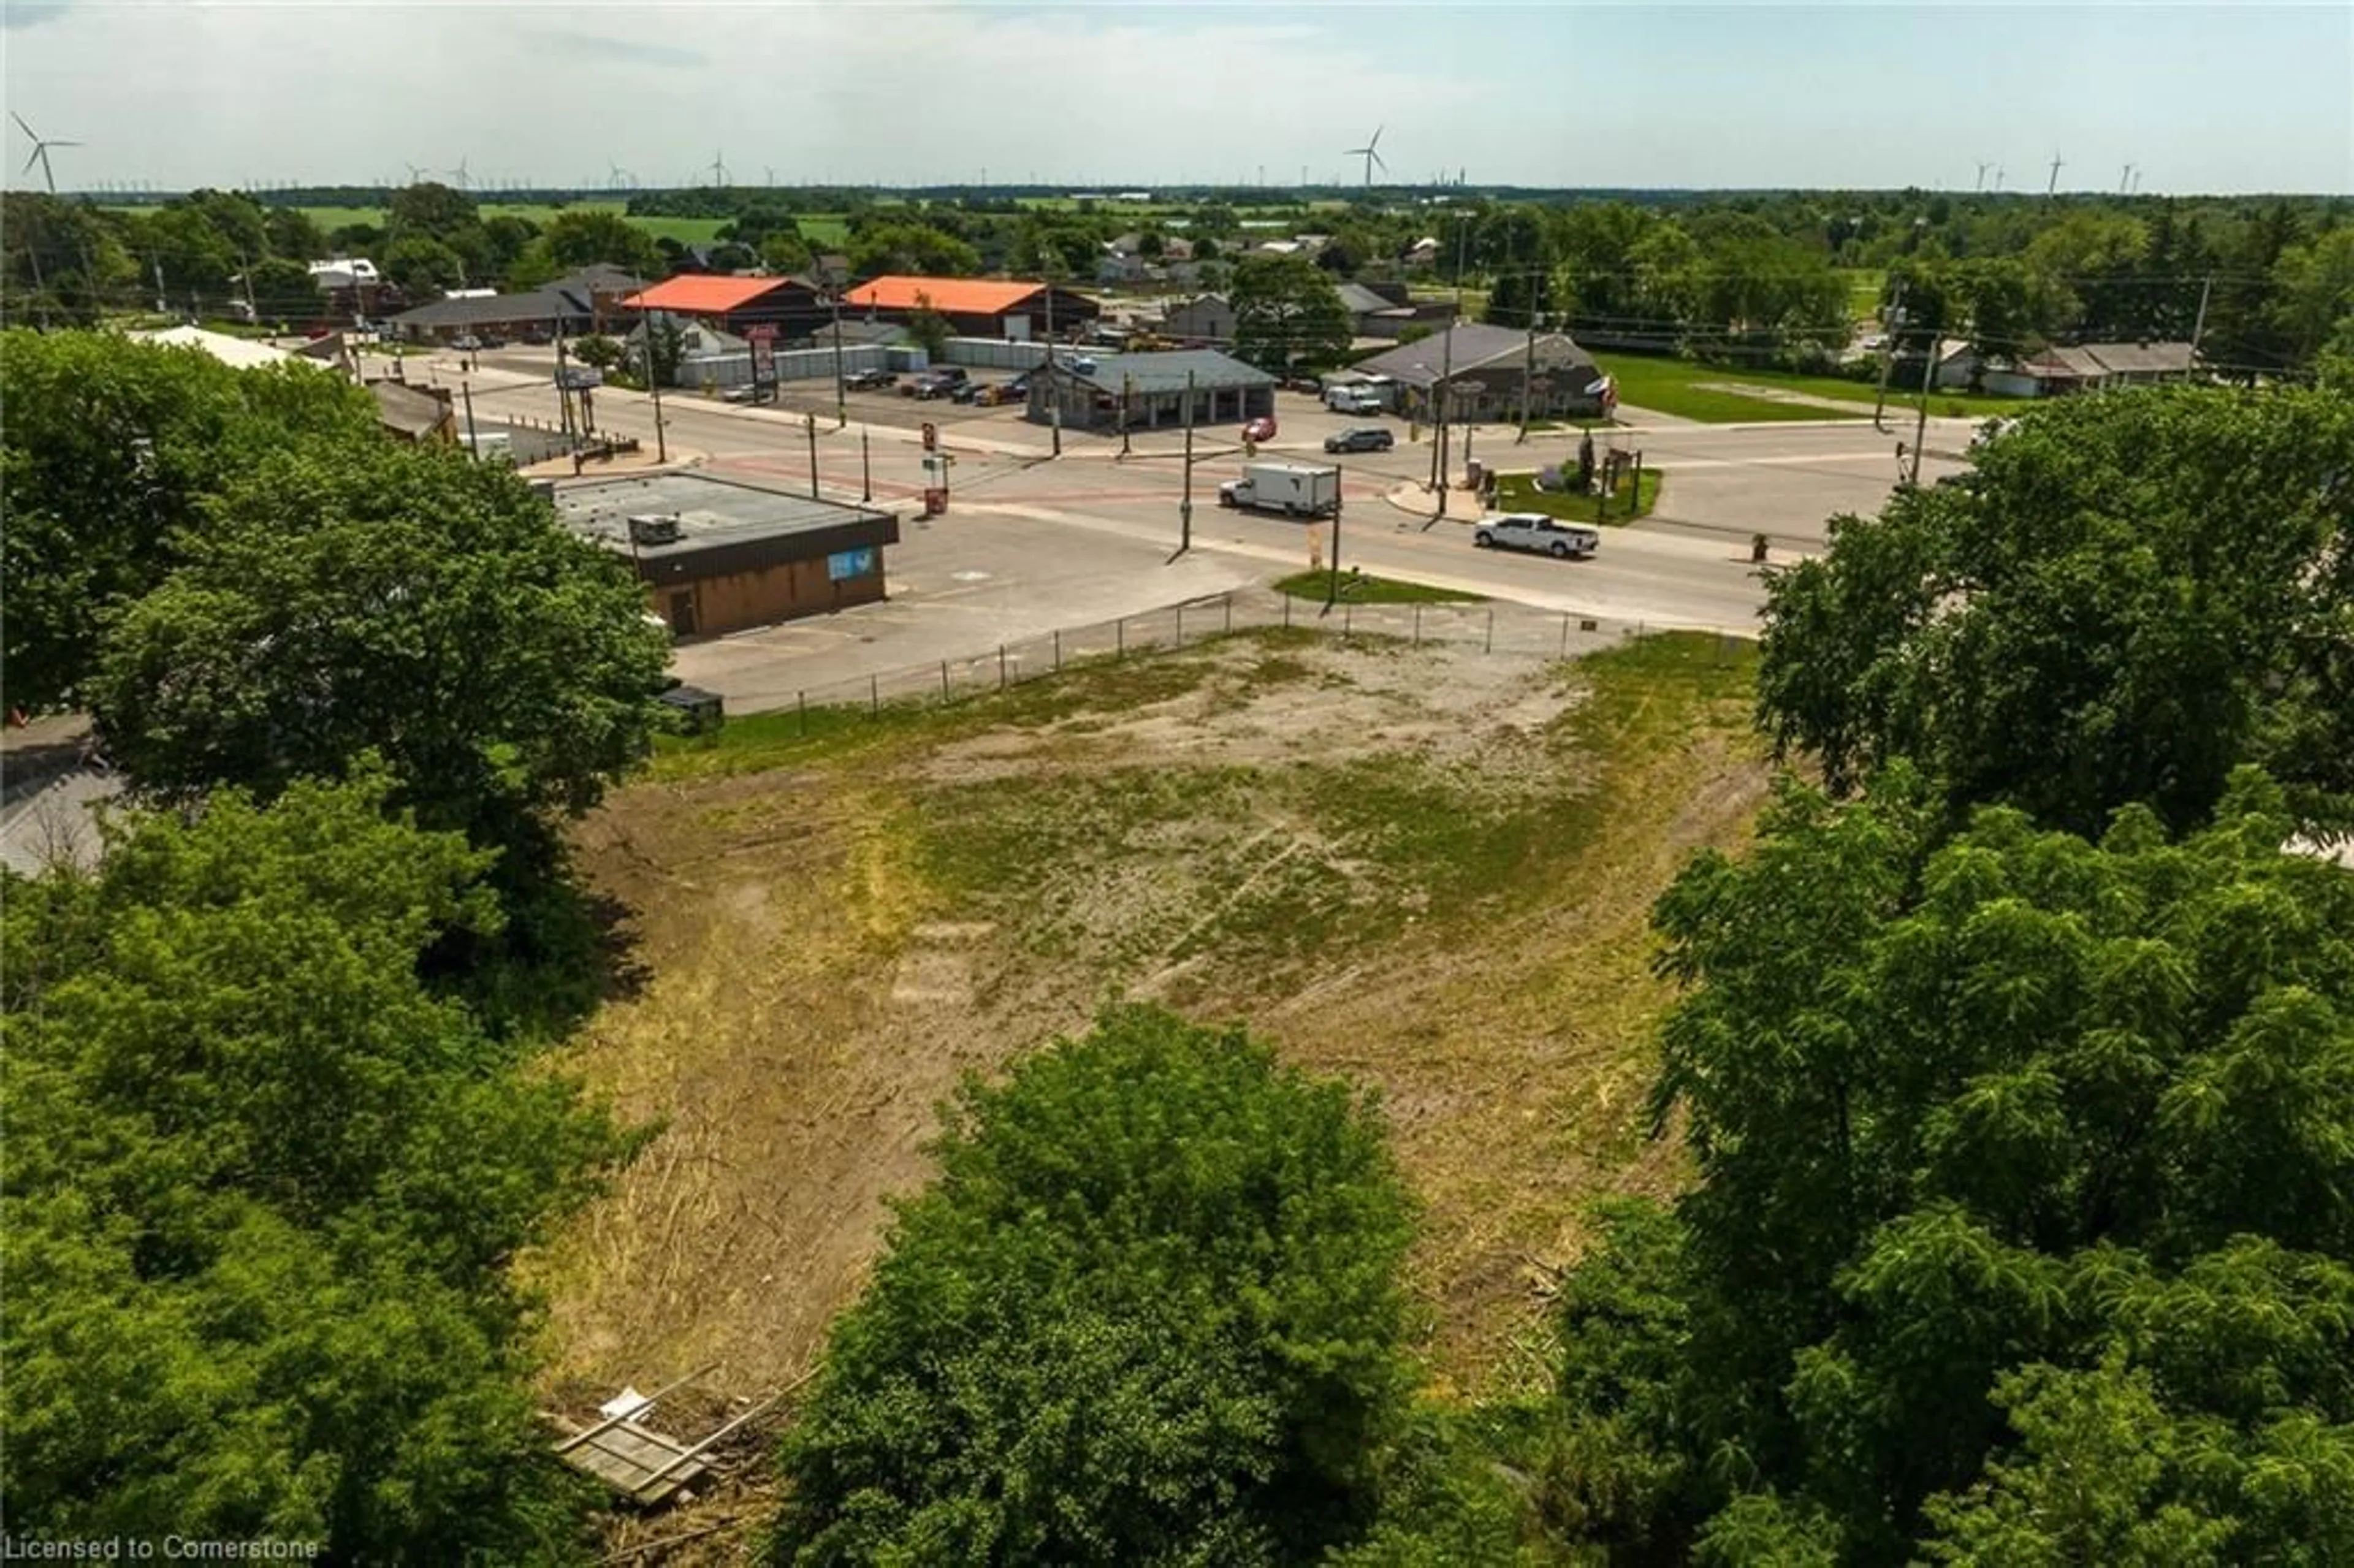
point(2212, 98)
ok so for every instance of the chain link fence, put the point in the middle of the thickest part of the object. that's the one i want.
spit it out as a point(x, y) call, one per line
point(1507, 631)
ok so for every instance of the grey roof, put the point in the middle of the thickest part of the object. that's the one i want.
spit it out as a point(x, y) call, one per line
point(2141, 358)
point(538, 306)
point(2074, 362)
point(712, 512)
point(414, 413)
point(1151, 373)
point(1474, 343)
point(858, 331)
point(1360, 301)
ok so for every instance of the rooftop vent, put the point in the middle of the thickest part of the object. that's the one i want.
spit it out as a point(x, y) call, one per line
point(651, 529)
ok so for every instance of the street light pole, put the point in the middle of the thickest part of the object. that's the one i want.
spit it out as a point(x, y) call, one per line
point(809, 422)
point(865, 469)
point(654, 385)
point(841, 391)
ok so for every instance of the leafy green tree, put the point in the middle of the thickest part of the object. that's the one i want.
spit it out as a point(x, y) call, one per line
point(2130, 595)
point(261, 1188)
point(783, 251)
point(282, 290)
point(2313, 291)
point(430, 208)
point(110, 455)
point(597, 350)
point(1965, 1109)
point(381, 599)
point(419, 265)
point(1287, 312)
point(586, 236)
point(293, 235)
point(917, 249)
point(927, 328)
point(1148, 1313)
point(59, 264)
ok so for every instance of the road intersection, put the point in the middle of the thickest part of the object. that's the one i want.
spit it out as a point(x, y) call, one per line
point(1032, 542)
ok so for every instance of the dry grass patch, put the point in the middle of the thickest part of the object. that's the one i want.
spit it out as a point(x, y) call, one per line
point(1430, 869)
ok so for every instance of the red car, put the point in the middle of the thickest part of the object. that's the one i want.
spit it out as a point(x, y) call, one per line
point(1260, 429)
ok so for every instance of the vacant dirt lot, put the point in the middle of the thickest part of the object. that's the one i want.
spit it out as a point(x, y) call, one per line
point(1428, 869)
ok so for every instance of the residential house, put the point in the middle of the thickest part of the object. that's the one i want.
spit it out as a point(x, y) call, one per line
point(2057, 372)
point(1203, 319)
point(1486, 369)
point(1010, 310)
point(477, 313)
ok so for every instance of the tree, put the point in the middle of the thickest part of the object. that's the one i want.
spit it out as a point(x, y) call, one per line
point(2130, 595)
point(417, 264)
point(1147, 1312)
point(1288, 313)
point(110, 455)
point(784, 252)
point(918, 249)
point(282, 290)
point(432, 210)
point(2021, 1164)
point(597, 350)
point(293, 235)
point(584, 236)
point(261, 1190)
point(398, 601)
point(2313, 286)
point(60, 264)
point(927, 328)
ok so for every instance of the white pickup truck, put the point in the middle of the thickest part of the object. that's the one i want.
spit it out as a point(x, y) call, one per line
point(1535, 531)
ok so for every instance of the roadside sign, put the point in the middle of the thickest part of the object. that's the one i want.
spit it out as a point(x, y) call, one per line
point(763, 339)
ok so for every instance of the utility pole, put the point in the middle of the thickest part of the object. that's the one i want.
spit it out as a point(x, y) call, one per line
point(1332, 593)
point(1127, 409)
point(1527, 373)
point(809, 422)
point(1446, 365)
point(1053, 392)
point(841, 390)
point(1185, 505)
point(466, 390)
point(654, 386)
point(1921, 426)
point(1888, 357)
point(563, 393)
point(2199, 329)
point(865, 469)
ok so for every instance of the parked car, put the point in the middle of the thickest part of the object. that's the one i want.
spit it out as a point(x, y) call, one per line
point(941, 382)
point(466, 342)
point(869, 380)
point(1534, 531)
point(740, 394)
point(965, 392)
point(492, 340)
point(1359, 438)
point(536, 336)
point(1260, 429)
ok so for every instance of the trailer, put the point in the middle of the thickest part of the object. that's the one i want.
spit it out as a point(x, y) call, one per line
point(1296, 490)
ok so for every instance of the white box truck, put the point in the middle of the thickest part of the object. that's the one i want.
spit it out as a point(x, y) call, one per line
point(1296, 490)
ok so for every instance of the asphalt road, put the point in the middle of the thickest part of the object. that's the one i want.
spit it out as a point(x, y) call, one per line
point(1032, 542)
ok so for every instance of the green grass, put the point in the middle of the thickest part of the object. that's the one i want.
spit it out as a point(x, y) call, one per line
point(686, 230)
point(1518, 492)
point(1712, 392)
point(823, 229)
point(1369, 590)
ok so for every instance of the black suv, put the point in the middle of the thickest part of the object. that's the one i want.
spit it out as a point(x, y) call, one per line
point(1359, 438)
point(938, 382)
point(869, 380)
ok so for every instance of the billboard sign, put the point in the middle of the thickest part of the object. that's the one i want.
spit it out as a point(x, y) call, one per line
point(763, 340)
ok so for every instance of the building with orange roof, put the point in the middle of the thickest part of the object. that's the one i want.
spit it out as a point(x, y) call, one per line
point(794, 306)
point(1004, 309)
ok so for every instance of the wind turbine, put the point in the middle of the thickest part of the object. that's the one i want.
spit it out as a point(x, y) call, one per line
point(620, 178)
point(40, 151)
point(2053, 187)
point(1997, 179)
point(718, 171)
point(2124, 179)
point(1983, 167)
point(459, 174)
point(1370, 155)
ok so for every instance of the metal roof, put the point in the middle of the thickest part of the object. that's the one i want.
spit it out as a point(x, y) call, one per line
point(2142, 358)
point(1150, 373)
point(951, 296)
point(1360, 301)
point(710, 293)
point(1475, 344)
point(243, 353)
point(538, 306)
point(710, 510)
